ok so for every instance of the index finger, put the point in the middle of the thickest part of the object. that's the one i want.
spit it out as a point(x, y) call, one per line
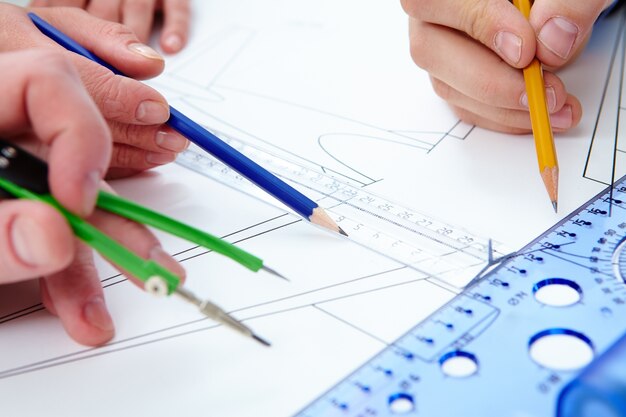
point(495, 23)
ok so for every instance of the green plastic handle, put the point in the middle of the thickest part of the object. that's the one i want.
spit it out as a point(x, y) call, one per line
point(149, 272)
point(140, 214)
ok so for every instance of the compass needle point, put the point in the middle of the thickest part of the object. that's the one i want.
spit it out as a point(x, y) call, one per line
point(261, 340)
point(273, 272)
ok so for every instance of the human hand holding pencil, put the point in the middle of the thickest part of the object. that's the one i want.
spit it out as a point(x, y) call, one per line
point(134, 112)
point(473, 51)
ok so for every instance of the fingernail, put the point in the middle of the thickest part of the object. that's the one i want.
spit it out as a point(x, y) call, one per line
point(145, 51)
point(171, 141)
point(27, 243)
point(551, 98)
point(563, 118)
point(173, 42)
point(91, 187)
point(160, 158)
point(152, 112)
point(523, 100)
point(96, 314)
point(509, 45)
point(559, 35)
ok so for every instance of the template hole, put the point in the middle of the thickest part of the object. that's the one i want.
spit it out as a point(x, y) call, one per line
point(401, 403)
point(557, 292)
point(459, 364)
point(561, 349)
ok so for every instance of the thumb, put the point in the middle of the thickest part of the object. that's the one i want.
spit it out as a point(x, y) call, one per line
point(35, 240)
point(563, 27)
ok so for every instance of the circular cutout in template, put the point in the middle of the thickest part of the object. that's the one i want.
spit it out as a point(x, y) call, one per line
point(557, 292)
point(459, 364)
point(561, 349)
point(401, 403)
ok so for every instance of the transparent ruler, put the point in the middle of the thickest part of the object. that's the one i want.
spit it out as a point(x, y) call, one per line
point(508, 345)
point(441, 251)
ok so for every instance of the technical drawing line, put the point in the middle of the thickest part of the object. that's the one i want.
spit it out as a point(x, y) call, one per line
point(247, 238)
point(351, 325)
point(603, 97)
point(334, 115)
point(216, 40)
point(232, 59)
point(444, 136)
point(71, 357)
point(25, 309)
point(291, 154)
point(238, 52)
point(24, 312)
point(39, 306)
point(47, 363)
point(326, 135)
point(617, 120)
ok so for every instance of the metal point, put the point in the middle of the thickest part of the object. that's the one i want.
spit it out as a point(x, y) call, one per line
point(273, 272)
point(341, 231)
point(216, 313)
point(261, 340)
point(554, 205)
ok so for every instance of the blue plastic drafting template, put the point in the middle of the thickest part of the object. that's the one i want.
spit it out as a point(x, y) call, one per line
point(493, 350)
point(334, 104)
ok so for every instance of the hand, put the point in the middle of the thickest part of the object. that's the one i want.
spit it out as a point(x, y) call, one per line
point(45, 108)
point(135, 112)
point(473, 52)
point(138, 15)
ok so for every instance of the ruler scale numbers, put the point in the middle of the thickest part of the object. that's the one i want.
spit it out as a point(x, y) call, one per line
point(496, 331)
point(440, 251)
point(506, 345)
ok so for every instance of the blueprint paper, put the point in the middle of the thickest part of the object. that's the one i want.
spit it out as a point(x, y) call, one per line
point(325, 84)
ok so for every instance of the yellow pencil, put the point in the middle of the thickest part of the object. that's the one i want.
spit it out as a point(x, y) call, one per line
point(540, 120)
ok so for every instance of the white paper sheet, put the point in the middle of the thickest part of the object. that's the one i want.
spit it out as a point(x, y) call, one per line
point(326, 84)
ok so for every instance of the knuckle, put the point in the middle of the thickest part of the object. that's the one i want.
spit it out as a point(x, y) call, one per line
point(133, 135)
point(474, 19)
point(115, 30)
point(123, 156)
point(108, 94)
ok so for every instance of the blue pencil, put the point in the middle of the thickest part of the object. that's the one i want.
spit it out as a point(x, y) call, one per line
point(197, 134)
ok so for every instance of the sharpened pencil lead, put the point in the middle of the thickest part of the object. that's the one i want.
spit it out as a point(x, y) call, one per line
point(273, 272)
point(261, 340)
point(555, 205)
point(321, 218)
